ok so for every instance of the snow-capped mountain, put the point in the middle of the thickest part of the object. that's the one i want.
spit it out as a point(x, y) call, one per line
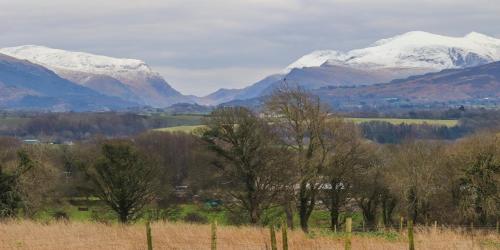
point(25, 85)
point(129, 79)
point(80, 61)
point(415, 49)
point(412, 53)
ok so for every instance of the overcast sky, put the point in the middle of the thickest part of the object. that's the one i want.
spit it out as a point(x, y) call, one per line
point(200, 46)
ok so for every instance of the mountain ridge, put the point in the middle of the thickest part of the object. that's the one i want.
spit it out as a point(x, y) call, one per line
point(401, 56)
point(412, 49)
point(135, 78)
point(24, 85)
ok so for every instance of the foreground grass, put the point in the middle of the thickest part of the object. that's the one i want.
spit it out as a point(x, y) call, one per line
point(24, 234)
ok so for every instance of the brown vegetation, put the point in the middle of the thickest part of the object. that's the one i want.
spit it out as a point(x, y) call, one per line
point(78, 235)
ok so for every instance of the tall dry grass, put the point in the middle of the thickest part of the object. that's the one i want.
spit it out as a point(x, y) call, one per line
point(86, 235)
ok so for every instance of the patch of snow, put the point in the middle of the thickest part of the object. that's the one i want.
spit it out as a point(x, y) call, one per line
point(416, 49)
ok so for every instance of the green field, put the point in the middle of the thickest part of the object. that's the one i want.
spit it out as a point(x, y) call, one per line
point(181, 120)
point(397, 121)
point(184, 128)
point(12, 121)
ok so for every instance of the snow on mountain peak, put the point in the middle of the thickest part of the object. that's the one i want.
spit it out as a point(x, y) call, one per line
point(314, 59)
point(416, 49)
point(57, 59)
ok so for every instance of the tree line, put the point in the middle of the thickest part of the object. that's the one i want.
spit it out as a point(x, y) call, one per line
point(295, 155)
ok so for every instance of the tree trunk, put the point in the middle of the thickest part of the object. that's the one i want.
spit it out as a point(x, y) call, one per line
point(252, 200)
point(123, 216)
point(388, 205)
point(254, 217)
point(369, 208)
point(334, 218)
point(337, 200)
point(289, 214)
point(303, 215)
point(303, 207)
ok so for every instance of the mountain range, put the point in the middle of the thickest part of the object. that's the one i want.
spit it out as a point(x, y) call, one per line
point(409, 54)
point(40, 77)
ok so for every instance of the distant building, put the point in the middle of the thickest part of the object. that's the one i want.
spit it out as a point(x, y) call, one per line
point(31, 141)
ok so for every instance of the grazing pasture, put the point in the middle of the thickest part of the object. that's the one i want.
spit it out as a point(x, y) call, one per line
point(185, 129)
point(397, 121)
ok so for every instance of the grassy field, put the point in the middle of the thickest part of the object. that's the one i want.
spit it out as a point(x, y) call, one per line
point(180, 213)
point(184, 128)
point(397, 121)
point(23, 234)
point(12, 121)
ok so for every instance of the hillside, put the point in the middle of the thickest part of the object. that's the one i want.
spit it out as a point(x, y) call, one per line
point(478, 84)
point(24, 85)
point(129, 79)
point(405, 55)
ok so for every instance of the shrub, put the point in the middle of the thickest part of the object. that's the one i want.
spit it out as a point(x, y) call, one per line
point(60, 215)
point(194, 217)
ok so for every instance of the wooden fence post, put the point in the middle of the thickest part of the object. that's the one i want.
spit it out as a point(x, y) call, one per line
point(401, 222)
point(273, 238)
point(148, 235)
point(411, 242)
point(214, 235)
point(284, 234)
point(348, 230)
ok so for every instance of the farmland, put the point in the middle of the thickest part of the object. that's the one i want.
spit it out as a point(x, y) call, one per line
point(393, 121)
point(397, 121)
point(184, 129)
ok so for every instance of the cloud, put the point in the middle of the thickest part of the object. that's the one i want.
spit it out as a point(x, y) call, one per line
point(251, 37)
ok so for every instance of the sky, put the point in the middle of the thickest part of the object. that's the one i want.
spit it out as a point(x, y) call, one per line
point(201, 46)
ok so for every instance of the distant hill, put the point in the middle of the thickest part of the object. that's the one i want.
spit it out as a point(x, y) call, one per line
point(480, 84)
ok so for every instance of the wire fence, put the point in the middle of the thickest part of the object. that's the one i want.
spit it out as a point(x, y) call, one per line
point(460, 228)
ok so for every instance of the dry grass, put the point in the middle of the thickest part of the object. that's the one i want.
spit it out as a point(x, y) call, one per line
point(81, 235)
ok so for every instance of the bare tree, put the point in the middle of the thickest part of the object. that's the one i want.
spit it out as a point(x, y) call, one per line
point(347, 156)
point(415, 176)
point(300, 119)
point(248, 158)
